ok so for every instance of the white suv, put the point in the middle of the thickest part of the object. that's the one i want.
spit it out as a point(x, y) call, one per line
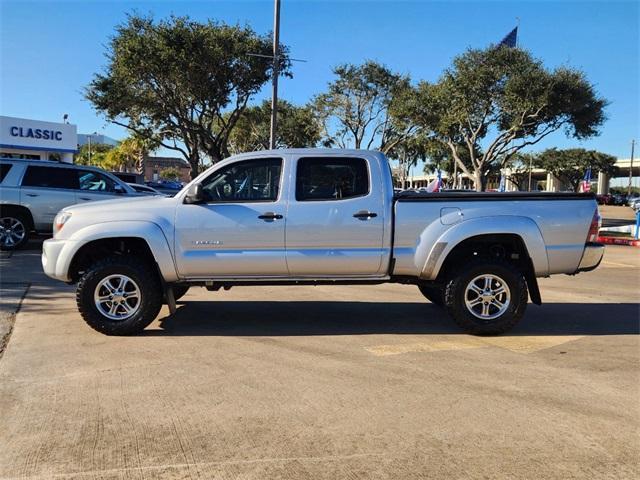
point(32, 192)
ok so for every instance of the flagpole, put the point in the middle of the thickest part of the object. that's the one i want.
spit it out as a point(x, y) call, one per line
point(633, 143)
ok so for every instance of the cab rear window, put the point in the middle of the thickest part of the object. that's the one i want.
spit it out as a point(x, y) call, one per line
point(331, 178)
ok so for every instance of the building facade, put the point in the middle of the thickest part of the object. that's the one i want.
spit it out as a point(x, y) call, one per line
point(37, 140)
point(153, 167)
point(95, 138)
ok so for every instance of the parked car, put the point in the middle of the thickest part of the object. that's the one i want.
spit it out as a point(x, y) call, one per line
point(130, 177)
point(167, 187)
point(313, 216)
point(32, 192)
point(144, 189)
point(605, 199)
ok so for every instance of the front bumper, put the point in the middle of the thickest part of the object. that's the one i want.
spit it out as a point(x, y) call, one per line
point(53, 259)
point(591, 257)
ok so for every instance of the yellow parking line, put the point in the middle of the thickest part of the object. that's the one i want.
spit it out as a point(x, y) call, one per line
point(517, 343)
point(624, 265)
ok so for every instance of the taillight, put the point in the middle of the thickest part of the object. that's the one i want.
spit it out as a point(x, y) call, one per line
point(594, 228)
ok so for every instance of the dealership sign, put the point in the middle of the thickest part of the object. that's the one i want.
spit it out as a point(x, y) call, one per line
point(21, 133)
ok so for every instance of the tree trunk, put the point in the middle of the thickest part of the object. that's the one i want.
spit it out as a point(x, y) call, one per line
point(479, 180)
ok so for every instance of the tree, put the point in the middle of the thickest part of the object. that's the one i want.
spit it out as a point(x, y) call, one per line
point(298, 127)
point(135, 148)
point(92, 156)
point(170, 173)
point(183, 82)
point(500, 100)
point(570, 165)
point(518, 168)
point(357, 109)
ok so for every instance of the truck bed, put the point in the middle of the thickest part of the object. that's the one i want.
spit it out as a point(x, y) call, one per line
point(553, 226)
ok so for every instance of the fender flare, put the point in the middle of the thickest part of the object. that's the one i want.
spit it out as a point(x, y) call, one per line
point(145, 230)
point(523, 227)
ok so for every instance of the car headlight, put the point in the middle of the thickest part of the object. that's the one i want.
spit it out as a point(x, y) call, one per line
point(59, 221)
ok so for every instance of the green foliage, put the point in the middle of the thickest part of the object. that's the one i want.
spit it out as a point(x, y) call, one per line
point(357, 109)
point(570, 165)
point(184, 82)
point(497, 101)
point(298, 127)
point(170, 173)
point(92, 156)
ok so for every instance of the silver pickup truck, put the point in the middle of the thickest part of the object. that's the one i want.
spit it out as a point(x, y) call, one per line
point(313, 216)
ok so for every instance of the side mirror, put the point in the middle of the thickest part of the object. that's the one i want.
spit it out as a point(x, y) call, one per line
point(194, 194)
point(119, 190)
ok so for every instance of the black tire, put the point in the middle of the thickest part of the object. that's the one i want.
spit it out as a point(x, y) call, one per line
point(433, 293)
point(12, 220)
point(456, 295)
point(140, 272)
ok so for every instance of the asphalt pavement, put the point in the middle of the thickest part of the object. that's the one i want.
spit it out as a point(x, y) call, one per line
point(325, 382)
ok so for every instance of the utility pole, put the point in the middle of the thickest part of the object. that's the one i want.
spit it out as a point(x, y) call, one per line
point(633, 143)
point(89, 137)
point(530, 172)
point(276, 64)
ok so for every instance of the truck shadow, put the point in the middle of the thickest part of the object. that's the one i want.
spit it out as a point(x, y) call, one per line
point(266, 318)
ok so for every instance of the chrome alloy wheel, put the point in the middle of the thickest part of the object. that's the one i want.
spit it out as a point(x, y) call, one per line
point(12, 231)
point(117, 297)
point(487, 296)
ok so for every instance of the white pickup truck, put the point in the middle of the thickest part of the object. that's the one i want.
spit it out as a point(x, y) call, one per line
point(314, 216)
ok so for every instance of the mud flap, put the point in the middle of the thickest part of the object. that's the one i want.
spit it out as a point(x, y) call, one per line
point(170, 298)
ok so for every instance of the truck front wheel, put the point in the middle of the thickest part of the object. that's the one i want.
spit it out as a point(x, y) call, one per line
point(487, 298)
point(119, 295)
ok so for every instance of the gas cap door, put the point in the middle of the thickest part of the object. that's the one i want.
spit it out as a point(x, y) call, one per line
point(450, 215)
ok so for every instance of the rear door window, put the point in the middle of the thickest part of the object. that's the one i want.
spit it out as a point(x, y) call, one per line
point(50, 177)
point(331, 178)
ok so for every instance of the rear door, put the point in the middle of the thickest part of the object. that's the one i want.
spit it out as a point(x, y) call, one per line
point(45, 190)
point(239, 230)
point(335, 219)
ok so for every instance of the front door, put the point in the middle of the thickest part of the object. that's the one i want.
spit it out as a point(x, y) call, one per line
point(335, 219)
point(239, 230)
point(94, 186)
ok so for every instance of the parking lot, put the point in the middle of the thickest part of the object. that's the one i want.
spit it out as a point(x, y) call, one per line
point(323, 382)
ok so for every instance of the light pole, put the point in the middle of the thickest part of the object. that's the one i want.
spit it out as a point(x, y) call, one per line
point(276, 65)
point(89, 137)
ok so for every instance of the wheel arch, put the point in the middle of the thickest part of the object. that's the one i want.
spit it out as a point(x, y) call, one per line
point(140, 238)
point(12, 208)
point(521, 231)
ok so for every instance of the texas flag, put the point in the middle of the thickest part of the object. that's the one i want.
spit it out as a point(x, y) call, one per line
point(436, 184)
point(585, 185)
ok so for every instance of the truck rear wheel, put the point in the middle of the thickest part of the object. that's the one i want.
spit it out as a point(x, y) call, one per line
point(119, 295)
point(488, 297)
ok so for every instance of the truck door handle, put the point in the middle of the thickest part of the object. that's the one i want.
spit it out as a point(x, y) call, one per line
point(365, 215)
point(85, 198)
point(32, 195)
point(270, 216)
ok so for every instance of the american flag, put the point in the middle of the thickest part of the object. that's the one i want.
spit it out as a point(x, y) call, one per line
point(586, 181)
point(510, 40)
